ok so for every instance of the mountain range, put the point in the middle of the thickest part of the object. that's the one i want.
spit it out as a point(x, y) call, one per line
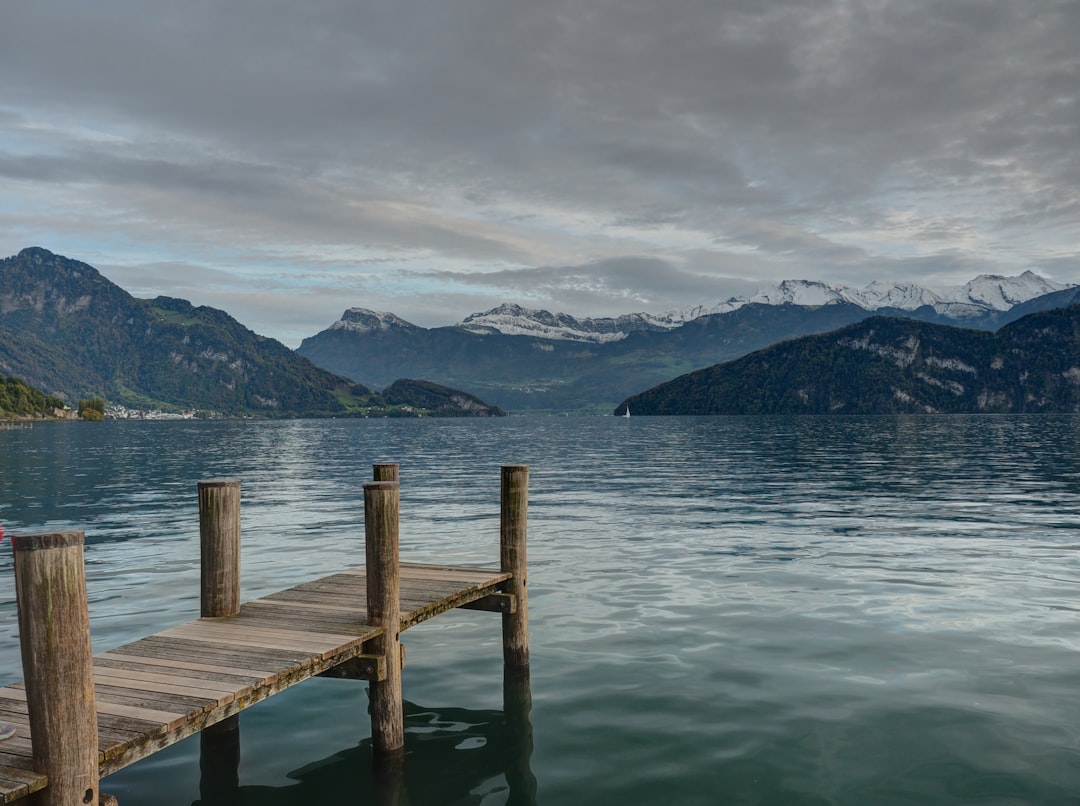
point(69, 331)
point(530, 360)
point(891, 365)
point(986, 295)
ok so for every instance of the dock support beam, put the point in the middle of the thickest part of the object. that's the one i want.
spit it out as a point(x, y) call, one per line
point(54, 634)
point(219, 533)
point(219, 540)
point(381, 510)
point(513, 520)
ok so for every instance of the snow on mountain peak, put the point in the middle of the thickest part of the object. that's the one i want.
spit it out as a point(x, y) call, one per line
point(985, 292)
point(1002, 293)
point(361, 320)
point(514, 320)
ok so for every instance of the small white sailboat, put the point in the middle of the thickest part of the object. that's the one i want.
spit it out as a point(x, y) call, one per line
point(627, 413)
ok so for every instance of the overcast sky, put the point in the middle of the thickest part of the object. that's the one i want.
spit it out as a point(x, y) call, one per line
point(285, 161)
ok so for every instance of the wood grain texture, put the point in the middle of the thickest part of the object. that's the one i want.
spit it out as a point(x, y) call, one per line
point(54, 633)
point(381, 508)
point(219, 540)
point(513, 524)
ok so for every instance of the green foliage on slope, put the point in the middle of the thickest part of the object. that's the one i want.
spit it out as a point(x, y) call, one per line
point(17, 400)
point(67, 329)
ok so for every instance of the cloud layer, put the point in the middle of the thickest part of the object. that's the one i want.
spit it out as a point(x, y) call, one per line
point(285, 161)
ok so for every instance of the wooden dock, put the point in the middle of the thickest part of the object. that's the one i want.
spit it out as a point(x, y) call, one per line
point(158, 690)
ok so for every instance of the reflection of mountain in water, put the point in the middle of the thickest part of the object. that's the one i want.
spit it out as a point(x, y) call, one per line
point(453, 757)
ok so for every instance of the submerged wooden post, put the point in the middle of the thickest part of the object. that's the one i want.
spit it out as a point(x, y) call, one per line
point(385, 471)
point(219, 762)
point(54, 634)
point(513, 520)
point(219, 533)
point(381, 506)
point(517, 703)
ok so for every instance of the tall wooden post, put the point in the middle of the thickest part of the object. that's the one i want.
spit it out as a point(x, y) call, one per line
point(54, 634)
point(513, 520)
point(385, 471)
point(219, 532)
point(381, 506)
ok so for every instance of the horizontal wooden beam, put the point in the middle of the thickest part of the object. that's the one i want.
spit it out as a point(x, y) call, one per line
point(494, 603)
point(362, 667)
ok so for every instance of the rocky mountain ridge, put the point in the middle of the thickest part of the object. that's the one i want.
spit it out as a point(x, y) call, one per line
point(985, 294)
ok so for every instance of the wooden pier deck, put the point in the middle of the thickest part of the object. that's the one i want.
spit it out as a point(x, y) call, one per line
point(163, 688)
point(79, 717)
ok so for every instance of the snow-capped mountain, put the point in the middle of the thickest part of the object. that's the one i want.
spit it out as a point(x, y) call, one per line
point(513, 320)
point(987, 292)
point(361, 320)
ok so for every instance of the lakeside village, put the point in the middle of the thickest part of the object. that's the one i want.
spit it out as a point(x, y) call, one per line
point(115, 412)
point(110, 412)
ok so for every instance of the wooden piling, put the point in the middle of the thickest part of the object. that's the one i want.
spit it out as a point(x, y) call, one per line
point(381, 508)
point(219, 763)
point(385, 471)
point(219, 532)
point(54, 634)
point(513, 520)
point(517, 703)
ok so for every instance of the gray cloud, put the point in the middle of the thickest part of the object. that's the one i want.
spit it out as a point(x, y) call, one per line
point(587, 153)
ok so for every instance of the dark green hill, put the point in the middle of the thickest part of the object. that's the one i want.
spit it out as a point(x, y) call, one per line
point(885, 365)
point(438, 401)
point(70, 331)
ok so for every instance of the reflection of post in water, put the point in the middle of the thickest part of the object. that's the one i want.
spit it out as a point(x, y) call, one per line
point(219, 764)
point(388, 779)
point(517, 703)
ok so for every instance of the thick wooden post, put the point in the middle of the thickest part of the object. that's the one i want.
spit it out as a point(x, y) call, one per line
point(513, 520)
point(381, 504)
point(385, 471)
point(219, 532)
point(54, 633)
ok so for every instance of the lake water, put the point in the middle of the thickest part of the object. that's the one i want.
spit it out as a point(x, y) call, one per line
point(739, 610)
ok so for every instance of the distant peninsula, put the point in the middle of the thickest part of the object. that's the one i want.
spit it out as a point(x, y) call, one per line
point(891, 366)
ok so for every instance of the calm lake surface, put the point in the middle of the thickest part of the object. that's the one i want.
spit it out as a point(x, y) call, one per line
point(749, 610)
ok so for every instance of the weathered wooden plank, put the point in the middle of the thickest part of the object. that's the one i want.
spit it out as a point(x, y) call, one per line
point(150, 715)
point(188, 668)
point(324, 621)
point(19, 744)
point(142, 681)
point(178, 704)
point(17, 782)
point(184, 649)
point(293, 616)
point(240, 626)
point(302, 604)
point(234, 636)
